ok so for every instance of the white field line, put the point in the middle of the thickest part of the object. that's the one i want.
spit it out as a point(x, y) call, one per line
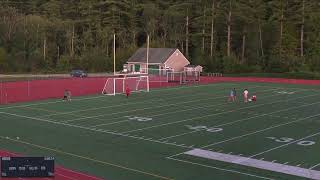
point(220, 169)
point(292, 88)
point(162, 99)
point(173, 104)
point(90, 129)
point(262, 130)
point(65, 176)
point(125, 103)
point(255, 163)
point(245, 119)
point(312, 167)
point(155, 115)
point(287, 144)
point(200, 117)
point(100, 96)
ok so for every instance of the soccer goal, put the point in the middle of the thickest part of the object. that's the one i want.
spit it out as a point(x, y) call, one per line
point(157, 75)
point(177, 77)
point(118, 85)
point(191, 76)
point(183, 77)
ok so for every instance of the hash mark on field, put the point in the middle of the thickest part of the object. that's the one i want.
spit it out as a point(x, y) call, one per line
point(312, 167)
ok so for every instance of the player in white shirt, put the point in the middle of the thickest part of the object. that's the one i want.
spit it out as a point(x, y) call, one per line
point(245, 95)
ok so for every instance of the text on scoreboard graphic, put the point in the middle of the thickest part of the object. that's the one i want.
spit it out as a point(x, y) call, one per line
point(27, 166)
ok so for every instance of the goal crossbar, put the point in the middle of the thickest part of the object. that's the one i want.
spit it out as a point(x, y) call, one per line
point(118, 85)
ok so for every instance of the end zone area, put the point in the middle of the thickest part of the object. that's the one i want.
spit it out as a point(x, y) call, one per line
point(150, 135)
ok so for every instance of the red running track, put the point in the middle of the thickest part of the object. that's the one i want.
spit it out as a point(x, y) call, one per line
point(25, 91)
point(60, 172)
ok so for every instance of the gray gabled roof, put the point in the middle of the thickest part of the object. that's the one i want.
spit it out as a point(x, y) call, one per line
point(156, 55)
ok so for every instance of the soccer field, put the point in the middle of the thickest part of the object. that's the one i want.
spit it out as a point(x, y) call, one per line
point(182, 133)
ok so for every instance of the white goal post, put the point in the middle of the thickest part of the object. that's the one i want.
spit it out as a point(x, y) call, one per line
point(183, 77)
point(118, 85)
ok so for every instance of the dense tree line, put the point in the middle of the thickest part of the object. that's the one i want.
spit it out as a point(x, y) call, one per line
point(222, 35)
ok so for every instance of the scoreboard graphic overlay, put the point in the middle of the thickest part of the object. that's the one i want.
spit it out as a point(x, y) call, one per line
point(27, 166)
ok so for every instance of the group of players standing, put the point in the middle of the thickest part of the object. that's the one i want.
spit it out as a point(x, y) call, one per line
point(233, 96)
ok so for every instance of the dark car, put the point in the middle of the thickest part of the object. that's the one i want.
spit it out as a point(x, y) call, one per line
point(78, 73)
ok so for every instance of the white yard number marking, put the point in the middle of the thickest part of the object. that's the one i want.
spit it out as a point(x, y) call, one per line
point(140, 119)
point(285, 92)
point(288, 140)
point(204, 128)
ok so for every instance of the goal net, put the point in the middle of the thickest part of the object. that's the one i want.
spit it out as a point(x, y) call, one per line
point(156, 74)
point(118, 85)
point(191, 76)
point(183, 77)
point(177, 77)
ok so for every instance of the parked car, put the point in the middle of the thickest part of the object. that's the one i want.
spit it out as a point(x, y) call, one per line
point(78, 73)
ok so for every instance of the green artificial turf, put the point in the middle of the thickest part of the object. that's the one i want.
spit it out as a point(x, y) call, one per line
point(116, 138)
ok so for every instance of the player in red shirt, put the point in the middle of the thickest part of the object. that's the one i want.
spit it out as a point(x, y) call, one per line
point(128, 91)
point(254, 98)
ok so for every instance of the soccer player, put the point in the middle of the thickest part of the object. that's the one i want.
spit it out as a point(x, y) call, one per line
point(69, 95)
point(234, 94)
point(65, 95)
point(254, 98)
point(245, 95)
point(128, 91)
point(231, 96)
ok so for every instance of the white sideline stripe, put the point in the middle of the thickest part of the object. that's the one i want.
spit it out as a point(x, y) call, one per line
point(155, 115)
point(259, 131)
point(125, 103)
point(225, 112)
point(271, 166)
point(220, 169)
point(244, 119)
point(51, 102)
point(89, 129)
